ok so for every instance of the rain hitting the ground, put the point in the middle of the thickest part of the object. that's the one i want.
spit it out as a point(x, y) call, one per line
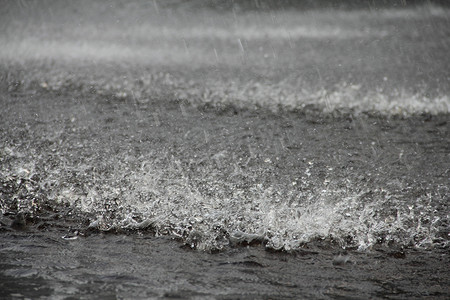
point(209, 149)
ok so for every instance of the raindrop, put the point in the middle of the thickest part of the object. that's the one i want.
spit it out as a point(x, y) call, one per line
point(216, 55)
point(241, 47)
point(186, 48)
point(291, 43)
point(205, 133)
point(183, 110)
point(156, 119)
point(155, 5)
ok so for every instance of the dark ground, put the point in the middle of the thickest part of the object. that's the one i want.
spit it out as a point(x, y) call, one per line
point(38, 262)
point(326, 129)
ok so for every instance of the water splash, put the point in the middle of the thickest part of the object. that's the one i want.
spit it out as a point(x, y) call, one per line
point(208, 212)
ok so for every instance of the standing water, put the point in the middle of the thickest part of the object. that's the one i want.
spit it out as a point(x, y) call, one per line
point(240, 151)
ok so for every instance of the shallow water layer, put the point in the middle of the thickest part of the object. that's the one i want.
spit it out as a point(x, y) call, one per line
point(44, 265)
point(71, 182)
point(150, 137)
point(215, 179)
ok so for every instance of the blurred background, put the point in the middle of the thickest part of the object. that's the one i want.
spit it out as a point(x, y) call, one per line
point(388, 56)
